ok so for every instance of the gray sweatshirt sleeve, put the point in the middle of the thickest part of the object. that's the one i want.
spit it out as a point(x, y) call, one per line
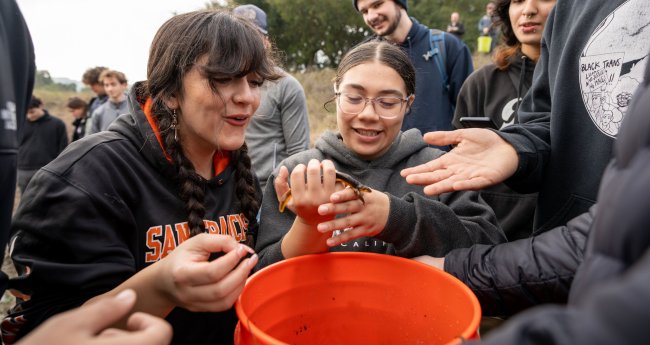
point(95, 121)
point(295, 119)
point(273, 225)
point(512, 276)
point(419, 225)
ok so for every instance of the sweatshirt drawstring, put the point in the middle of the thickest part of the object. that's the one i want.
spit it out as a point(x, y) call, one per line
point(522, 75)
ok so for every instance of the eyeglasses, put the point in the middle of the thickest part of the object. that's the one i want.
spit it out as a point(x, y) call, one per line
point(385, 107)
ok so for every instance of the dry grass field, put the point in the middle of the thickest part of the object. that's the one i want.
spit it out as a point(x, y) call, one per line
point(318, 88)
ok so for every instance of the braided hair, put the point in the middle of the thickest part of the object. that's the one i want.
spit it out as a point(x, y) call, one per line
point(234, 48)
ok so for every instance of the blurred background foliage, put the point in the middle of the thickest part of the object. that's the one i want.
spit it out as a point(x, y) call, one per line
point(315, 34)
point(311, 36)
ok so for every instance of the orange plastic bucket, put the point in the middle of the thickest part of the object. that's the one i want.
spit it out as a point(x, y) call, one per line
point(355, 298)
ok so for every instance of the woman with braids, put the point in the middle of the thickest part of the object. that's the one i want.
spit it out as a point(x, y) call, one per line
point(374, 89)
point(496, 90)
point(164, 201)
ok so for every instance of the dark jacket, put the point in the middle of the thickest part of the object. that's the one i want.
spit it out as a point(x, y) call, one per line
point(433, 108)
point(581, 88)
point(41, 141)
point(79, 128)
point(480, 96)
point(17, 70)
point(515, 275)
point(459, 27)
point(105, 209)
point(495, 93)
point(610, 300)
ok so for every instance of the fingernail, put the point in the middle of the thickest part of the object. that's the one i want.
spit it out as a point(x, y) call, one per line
point(335, 197)
point(323, 210)
point(321, 227)
point(253, 260)
point(125, 295)
point(331, 242)
point(244, 249)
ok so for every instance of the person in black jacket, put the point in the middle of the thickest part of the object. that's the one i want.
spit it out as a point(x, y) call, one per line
point(521, 25)
point(78, 108)
point(164, 201)
point(84, 325)
point(609, 300)
point(441, 71)
point(17, 70)
point(560, 149)
point(90, 78)
point(42, 139)
point(455, 26)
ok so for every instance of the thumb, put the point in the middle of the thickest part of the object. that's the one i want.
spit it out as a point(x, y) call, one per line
point(281, 182)
point(104, 312)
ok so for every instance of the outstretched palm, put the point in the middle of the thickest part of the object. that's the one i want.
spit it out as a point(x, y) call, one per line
point(480, 159)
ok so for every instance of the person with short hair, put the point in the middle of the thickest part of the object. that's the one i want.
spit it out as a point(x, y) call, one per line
point(486, 25)
point(435, 98)
point(42, 139)
point(91, 79)
point(280, 127)
point(115, 85)
point(78, 108)
point(456, 27)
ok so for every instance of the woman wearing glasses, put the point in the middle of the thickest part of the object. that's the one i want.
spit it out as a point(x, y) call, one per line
point(374, 88)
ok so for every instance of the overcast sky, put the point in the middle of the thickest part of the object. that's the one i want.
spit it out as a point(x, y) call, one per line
point(72, 35)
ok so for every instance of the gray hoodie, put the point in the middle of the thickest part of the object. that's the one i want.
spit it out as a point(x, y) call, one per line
point(417, 224)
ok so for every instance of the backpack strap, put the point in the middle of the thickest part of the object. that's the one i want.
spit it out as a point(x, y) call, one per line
point(438, 53)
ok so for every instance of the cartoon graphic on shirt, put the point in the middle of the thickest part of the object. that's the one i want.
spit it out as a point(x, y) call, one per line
point(612, 64)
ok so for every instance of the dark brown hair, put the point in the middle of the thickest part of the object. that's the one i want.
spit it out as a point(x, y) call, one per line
point(91, 76)
point(234, 48)
point(121, 78)
point(77, 103)
point(509, 45)
point(382, 52)
point(35, 102)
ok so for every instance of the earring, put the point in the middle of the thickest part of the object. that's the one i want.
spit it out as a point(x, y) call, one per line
point(174, 124)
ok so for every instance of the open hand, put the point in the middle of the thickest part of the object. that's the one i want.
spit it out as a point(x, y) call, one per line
point(89, 325)
point(480, 159)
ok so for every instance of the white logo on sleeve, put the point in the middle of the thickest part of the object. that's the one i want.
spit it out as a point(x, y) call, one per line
point(612, 64)
point(8, 115)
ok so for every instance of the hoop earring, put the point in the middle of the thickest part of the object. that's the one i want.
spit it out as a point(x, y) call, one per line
point(175, 124)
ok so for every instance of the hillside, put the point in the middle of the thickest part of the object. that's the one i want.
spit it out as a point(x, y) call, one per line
point(317, 85)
